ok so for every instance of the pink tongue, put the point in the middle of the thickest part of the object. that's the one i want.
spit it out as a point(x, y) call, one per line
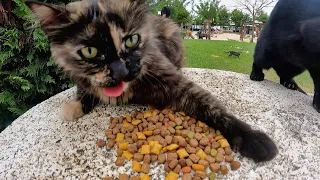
point(114, 91)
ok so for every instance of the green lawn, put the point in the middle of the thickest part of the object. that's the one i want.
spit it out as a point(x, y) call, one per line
point(211, 54)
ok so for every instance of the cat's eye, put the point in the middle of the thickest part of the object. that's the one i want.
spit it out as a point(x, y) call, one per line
point(132, 41)
point(89, 52)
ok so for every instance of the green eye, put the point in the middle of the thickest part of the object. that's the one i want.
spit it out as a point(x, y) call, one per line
point(132, 41)
point(89, 52)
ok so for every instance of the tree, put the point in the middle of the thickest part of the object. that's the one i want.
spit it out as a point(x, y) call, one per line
point(262, 16)
point(254, 7)
point(224, 16)
point(207, 10)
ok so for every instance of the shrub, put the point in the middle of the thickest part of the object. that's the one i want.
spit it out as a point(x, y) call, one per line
point(27, 74)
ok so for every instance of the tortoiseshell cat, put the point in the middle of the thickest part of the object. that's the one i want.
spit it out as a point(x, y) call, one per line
point(118, 52)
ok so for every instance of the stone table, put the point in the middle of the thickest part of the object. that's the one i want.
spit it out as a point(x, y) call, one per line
point(38, 145)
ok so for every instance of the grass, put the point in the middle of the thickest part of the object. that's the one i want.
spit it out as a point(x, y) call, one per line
point(211, 55)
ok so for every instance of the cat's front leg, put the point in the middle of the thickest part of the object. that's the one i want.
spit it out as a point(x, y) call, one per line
point(256, 73)
point(315, 74)
point(82, 105)
point(173, 89)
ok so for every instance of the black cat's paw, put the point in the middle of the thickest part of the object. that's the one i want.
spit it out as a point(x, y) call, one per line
point(290, 84)
point(257, 76)
point(256, 145)
point(316, 101)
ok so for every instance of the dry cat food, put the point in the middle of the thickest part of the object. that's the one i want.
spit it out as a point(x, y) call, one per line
point(188, 148)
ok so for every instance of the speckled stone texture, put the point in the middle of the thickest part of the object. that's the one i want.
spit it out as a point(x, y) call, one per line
point(38, 145)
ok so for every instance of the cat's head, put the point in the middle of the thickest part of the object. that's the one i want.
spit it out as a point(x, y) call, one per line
point(99, 41)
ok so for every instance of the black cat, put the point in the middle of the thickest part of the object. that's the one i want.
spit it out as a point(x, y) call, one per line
point(234, 53)
point(290, 43)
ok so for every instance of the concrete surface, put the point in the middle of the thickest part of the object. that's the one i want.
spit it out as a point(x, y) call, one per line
point(38, 145)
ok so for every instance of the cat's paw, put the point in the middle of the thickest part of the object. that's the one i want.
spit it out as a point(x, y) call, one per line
point(71, 111)
point(316, 101)
point(290, 84)
point(257, 76)
point(256, 145)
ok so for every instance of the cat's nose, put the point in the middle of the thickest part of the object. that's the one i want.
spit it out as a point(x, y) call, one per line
point(118, 70)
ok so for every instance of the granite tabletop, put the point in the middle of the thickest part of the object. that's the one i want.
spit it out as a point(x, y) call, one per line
point(38, 145)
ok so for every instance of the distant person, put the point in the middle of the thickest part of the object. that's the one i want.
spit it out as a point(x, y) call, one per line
point(165, 12)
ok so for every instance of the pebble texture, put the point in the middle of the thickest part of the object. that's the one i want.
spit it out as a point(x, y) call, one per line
point(38, 145)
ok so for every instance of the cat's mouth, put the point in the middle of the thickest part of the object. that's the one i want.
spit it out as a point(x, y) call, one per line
point(116, 90)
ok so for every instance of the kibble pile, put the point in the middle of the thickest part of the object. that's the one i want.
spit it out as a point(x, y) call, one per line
point(184, 145)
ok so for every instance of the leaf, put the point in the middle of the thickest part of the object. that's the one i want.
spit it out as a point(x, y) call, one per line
point(7, 98)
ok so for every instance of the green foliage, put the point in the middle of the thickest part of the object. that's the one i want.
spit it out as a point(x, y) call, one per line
point(224, 16)
point(208, 10)
point(27, 74)
point(262, 17)
point(238, 17)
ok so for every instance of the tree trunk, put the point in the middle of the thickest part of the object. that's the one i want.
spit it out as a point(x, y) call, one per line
point(253, 27)
point(241, 32)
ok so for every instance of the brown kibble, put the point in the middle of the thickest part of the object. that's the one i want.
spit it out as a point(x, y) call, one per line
point(186, 176)
point(189, 162)
point(152, 127)
point(204, 141)
point(185, 124)
point(178, 132)
point(198, 136)
point(229, 158)
point(221, 151)
point(154, 158)
point(173, 163)
point(215, 145)
point(171, 129)
point(130, 140)
point(138, 157)
point(235, 165)
point(210, 159)
point(200, 174)
point(108, 132)
point(166, 167)
point(115, 130)
point(168, 139)
point(164, 132)
point(140, 143)
point(194, 158)
point(147, 158)
point(119, 152)
point(132, 148)
point(134, 136)
point(204, 163)
point(175, 140)
point(184, 133)
point(177, 169)
point(214, 167)
point(207, 150)
point(134, 178)
point(111, 136)
point(191, 150)
point(182, 162)
point(198, 130)
point(156, 132)
point(163, 142)
point(145, 168)
point(128, 135)
point(111, 143)
point(172, 155)
point(123, 177)
point(196, 178)
point(224, 169)
point(108, 178)
point(112, 125)
point(161, 158)
point(219, 157)
point(120, 161)
point(228, 150)
point(193, 143)
point(182, 142)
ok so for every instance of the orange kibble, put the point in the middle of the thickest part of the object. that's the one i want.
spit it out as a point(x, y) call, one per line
point(186, 169)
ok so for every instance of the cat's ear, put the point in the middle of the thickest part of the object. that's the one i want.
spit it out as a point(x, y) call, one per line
point(48, 14)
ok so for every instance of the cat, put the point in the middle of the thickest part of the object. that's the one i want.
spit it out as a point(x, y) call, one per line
point(117, 52)
point(289, 43)
point(234, 53)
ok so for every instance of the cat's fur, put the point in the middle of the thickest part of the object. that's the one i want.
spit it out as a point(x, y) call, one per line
point(154, 77)
point(290, 43)
point(233, 53)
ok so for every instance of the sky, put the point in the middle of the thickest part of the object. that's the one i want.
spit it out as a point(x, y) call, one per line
point(230, 4)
